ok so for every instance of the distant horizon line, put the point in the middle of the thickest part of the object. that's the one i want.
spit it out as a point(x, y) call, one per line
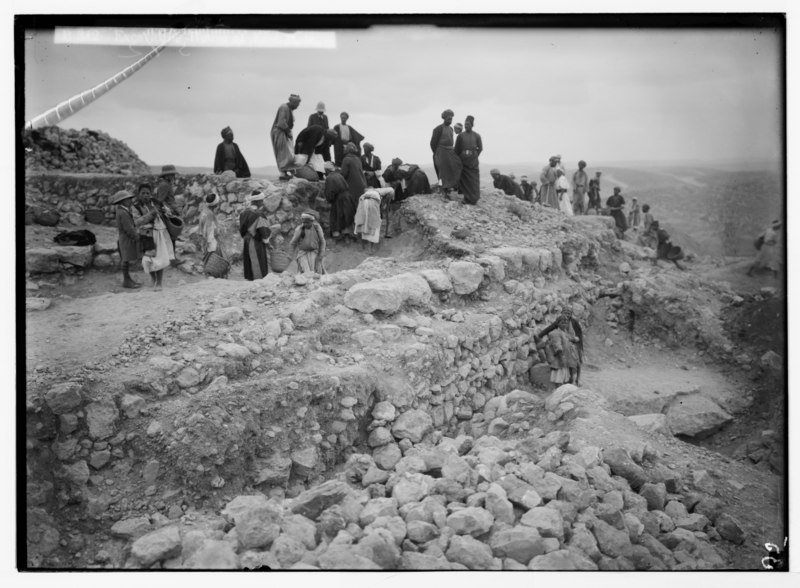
point(749, 162)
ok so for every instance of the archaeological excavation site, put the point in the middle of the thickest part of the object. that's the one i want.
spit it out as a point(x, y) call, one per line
point(395, 413)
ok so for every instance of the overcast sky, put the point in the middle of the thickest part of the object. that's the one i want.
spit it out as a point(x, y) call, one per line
point(599, 95)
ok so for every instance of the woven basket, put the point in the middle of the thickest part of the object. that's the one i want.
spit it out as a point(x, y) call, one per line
point(216, 266)
point(95, 216)
point(174, 226)
point(279, 260)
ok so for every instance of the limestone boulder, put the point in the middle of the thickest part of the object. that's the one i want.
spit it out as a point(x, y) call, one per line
point(466, 276)
point(413, 425)
point(696, 416)
point(388, 295)
point(437, 279)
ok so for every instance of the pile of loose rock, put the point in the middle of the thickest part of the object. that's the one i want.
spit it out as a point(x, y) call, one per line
point(84, 151)
point(538, 503)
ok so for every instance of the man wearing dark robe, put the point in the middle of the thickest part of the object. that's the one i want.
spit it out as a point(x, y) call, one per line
point(319, 118)
point(615, 204)
point(594, 192)
point(505, 183)
point(469, 146)
point(353, 172)
point(371, 164)
point(229, 157)
point(345, 134)
point(445, 161)
point(343, 206)
point(406, 179)
point(281, 136)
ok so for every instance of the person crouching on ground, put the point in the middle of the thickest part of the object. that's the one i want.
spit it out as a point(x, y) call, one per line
point(368, 216)
point(255, 231)
point(308, 244)
point(128, 240)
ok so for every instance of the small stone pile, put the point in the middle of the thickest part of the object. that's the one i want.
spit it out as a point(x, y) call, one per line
point(539, 503)
point(68, 150)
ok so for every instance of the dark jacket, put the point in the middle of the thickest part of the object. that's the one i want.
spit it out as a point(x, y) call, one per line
point(338, 144)
point(317, 119)
point(507, 185)
point(128, 235)
point(307, 139)
point(240, 165)
point(370, 171)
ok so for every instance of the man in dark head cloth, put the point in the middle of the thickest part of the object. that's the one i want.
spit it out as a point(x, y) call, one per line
point(229, 156)
point(372, 165)
point(469, 146)
point(445, 161)
point(281, 136)
point(527, 189)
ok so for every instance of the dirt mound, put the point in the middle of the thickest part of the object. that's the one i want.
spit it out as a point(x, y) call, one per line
point(51, 149)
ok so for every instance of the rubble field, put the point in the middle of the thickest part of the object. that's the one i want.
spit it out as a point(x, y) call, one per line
point(395, 413)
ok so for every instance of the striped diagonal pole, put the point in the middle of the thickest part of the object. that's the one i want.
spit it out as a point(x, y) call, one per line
point(69, 107)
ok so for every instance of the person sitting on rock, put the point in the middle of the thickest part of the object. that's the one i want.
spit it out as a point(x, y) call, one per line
point(308, 244)
point(371, 164)
point(665, 249)
point(229, 156)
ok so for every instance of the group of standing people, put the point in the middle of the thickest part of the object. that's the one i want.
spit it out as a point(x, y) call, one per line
point(147, 226)
point(456, 150)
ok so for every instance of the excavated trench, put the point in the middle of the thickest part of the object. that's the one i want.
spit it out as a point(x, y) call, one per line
point(337, 412)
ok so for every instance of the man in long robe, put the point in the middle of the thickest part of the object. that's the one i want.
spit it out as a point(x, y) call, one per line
point(580, 183)
point(308, 244)
point(353, 172)
point(345, 134)
point(281, 135)
point(469, 146)
point(547, 179)
point(445, 161)
point(229, 156)
point(343, 205)
point(616, 204)
point(255, 232)
point(371, 164)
